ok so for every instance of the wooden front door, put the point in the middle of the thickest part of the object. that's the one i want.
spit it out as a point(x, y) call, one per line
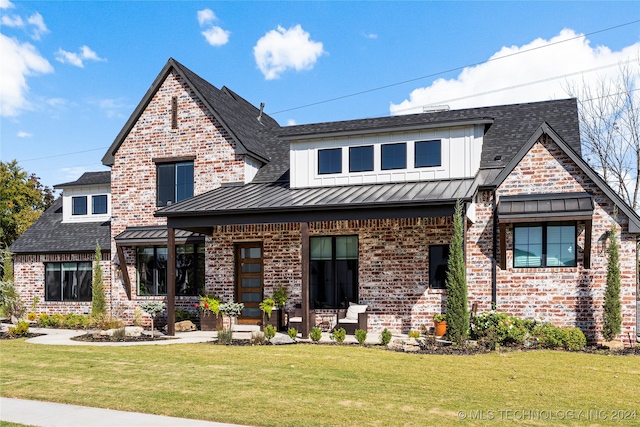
point(249, 281)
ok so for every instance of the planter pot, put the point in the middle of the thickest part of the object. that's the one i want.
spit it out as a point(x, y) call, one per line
point(441, 328)
point(210, 322)
point(277, 319)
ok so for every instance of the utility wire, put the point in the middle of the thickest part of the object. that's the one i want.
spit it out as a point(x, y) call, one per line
point(451, 69)
point(64, 154)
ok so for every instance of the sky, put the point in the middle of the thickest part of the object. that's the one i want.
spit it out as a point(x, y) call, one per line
point(72, 72)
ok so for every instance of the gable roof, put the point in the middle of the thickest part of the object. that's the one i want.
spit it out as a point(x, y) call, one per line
point(88, 178)
point(545, 128)
point(237, 116)
point(49, 235)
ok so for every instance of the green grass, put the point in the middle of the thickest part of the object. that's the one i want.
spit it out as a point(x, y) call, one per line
point(317, 385)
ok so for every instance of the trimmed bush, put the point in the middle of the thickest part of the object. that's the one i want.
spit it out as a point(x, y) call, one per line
point(21, 329)
point(293, 333)
point(612, 318)
point(385, 337)
point(338, 335)
point(499, 329)
point(315, 334)
point(98, 299)
point(269, 331)
point(456, 282)
point(361, 336)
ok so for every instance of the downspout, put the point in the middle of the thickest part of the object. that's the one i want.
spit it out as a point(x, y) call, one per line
point(494, 262)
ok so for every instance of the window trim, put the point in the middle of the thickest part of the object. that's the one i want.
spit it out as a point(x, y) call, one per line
point(545, 249)
point(382, 146)
point(93, 204)
point(174, 165)
point(415, 154)
point(61, 283)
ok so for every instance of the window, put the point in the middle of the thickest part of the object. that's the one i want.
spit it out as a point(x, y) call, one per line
point(152, 270)
point(79, 205)
point(99, 204)
point(544, 245)
point(68, 281)
point(330, 161)
point(361, 159)
point(333, 271)
point(427, 154)
point(175, 182)
point(394, 156)
point(438, 261)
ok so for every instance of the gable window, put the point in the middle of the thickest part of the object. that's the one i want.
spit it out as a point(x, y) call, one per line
point(79, 205)
point(99, 204)
point(333, 271)
point(394, 156)
point(544, 245)
point(330, 161)
point(427, 154)
point(438, 261)
point(67, 281)
point(152, 270)
point(361, 159)
point(174, 182)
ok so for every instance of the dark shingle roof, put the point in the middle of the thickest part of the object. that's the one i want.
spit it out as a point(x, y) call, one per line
point(49, 235)
point(88, 178)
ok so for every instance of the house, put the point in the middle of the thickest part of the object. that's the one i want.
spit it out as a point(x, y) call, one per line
point(209, 190)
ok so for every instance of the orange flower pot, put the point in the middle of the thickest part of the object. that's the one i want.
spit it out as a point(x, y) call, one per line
point(441, 328)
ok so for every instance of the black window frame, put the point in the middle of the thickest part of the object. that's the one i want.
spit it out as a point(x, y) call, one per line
point(327, 162)
point(74, 207)
point(424, 163)
point(56, 284)
point(157, 269)
point(393, 156)
point(325, 278)
point(438, 268)
point(357, 162)
point(93, 204)
point(545, 243)
point(169, 172)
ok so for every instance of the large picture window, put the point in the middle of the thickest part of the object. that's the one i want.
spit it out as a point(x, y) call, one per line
point(99, 204)
point(438, 261)
point(427, 154)
point(79, 205)
point(174, 182)
point(333, 271)
point(544, 245)
point(330, 161)
point(361, 159)
point(68, 281)
point(152, 270)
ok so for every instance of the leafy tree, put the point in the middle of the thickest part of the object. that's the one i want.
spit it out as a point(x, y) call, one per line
point(7, 266)
point(457, 311)
point(612, 317)
point(22, 201)
point(98, 300)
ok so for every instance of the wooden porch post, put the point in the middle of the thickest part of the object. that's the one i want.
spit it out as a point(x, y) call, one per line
point(304, 231)
point(171, 281)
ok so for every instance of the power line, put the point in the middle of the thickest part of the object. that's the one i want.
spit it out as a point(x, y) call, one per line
point(64, 154)
point(451, 69)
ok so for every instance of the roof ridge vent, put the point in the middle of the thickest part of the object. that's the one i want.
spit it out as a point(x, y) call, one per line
point(435, 108)
point(261, 110)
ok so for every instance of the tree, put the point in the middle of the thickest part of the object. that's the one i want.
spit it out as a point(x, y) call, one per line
point(457, 310)
point(609, 114)
point(7, 266)
point(22, 201)
point(612, 316)
point(98, 300)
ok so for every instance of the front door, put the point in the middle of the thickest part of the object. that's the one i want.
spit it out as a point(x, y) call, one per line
point(249, 281)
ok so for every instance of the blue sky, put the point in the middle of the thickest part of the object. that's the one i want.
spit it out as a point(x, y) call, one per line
point(73, 71)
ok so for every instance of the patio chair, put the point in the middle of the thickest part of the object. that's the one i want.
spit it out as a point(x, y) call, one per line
point(354, 318)
point(295, 319)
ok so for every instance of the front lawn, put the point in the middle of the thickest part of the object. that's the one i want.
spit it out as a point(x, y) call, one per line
point(325, 385)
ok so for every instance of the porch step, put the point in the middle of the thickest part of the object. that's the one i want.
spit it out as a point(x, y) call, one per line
point(246, 328)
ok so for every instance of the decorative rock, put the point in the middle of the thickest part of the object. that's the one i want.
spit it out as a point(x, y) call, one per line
point(133, 331)
point(281, 339)
point(185, 326)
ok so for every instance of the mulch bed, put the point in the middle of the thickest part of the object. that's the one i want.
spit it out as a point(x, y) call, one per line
point(7, 336)
point(107, 338)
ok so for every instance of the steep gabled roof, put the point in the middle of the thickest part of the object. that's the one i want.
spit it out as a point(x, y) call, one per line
point(237, 116)
point(88, 178)
point(49, 235)
point(545, 128)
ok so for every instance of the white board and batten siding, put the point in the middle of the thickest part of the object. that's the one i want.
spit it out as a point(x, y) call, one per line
point(461, 148)
point(87, 191)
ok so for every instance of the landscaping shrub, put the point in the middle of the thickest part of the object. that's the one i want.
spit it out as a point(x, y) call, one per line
point(315, 334)
point(361, 336)
point(270, 331)
point(576, 340)
point(119, 334)
point(385, 337)
point(293, 333)
point(32, 316)
point(106, 323)
point(338, 335)
point(21, 329)
point(225, 336)
point(414, 334)
point(56, 320)
point(568, 338)
point(456, 283)
point(98, 298)
point(257, 338)
point(76, 321)
point(12, 304)
point(612, 317)
point(182, 315)
point(43, 320)
point(494, 329)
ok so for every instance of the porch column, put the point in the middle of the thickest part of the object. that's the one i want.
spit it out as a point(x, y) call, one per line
point(304, 231)
point(171, 281)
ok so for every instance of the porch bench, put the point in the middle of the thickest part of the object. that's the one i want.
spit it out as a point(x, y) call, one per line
point(354, 318)
point(294, 319)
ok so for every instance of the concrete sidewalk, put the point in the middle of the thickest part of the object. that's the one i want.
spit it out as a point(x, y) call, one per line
point(47, 414)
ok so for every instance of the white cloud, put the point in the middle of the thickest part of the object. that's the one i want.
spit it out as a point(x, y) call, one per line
point(19, 60)
point(13, 21)
point(291, 122)
point(23, 134)
point(40, 28)
point(216, 36)
point(370, 35)
point(206, 16)
point(280, 49)
point(77, 59)
point(113, 107)
point(6, 4)
point(549, 64)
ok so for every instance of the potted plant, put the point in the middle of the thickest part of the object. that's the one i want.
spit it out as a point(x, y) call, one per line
point(280, 297)
point(232, 310)
point(267, 305)
point(209, 308)
point(440, 323)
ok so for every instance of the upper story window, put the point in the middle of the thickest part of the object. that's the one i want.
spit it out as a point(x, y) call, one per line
point(544, 245)
point(361, 159)
point(394, 156)
point(427, 154)
point(99, 204)
point(79, 205)
point(330, 161)
point(174, 182)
